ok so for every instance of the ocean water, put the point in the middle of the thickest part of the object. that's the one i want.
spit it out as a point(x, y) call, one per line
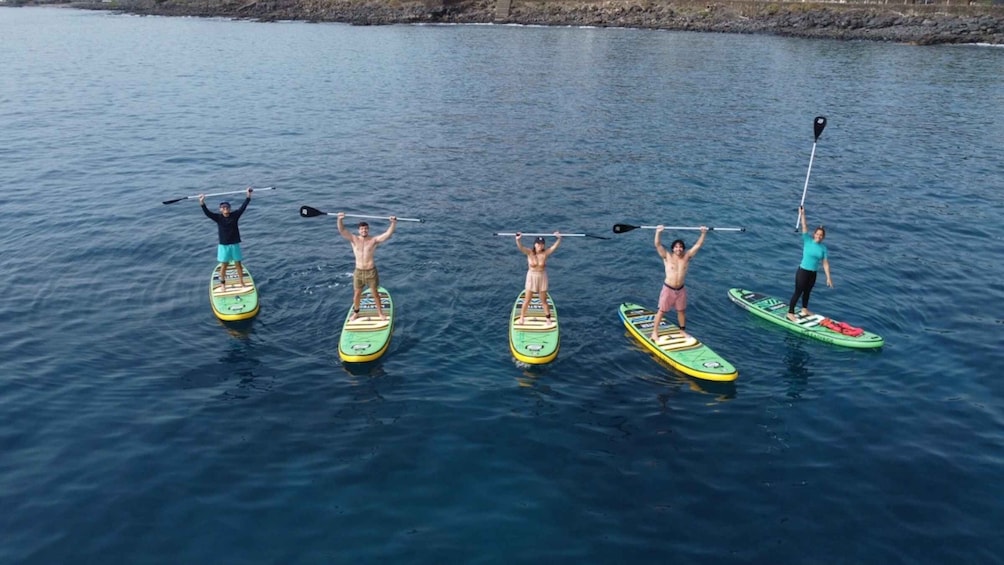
point(136, 428)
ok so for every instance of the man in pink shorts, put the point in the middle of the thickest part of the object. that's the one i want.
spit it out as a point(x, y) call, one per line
point(673, 294)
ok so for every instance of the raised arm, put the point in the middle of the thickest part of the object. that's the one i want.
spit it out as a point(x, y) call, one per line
point(202, 203)
point(519, 244)
point(390, 231)
point(557, 242)
point(700, 242)
point(341, 227)
point(658, 244)
point(801, 218)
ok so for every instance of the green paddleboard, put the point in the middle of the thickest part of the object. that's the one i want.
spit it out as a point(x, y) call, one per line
point(684, 352)
point(234, 302)
point(815, 326)
point(367, 337)
point(535, 341)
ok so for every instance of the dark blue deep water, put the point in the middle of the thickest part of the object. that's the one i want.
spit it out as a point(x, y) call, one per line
point(136, 428)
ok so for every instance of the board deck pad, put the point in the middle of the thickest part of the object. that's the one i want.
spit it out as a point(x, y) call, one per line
point(683, 352)
point(234, 302)
point(536, 340)
point(367, 337)
point(775, 310)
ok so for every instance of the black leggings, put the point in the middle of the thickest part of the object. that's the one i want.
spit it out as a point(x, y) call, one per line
point(804, 281)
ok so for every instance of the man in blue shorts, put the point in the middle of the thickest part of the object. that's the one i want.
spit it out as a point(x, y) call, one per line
point(229, 249)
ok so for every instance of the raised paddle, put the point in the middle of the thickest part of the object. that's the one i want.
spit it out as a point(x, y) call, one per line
point(621, 228)
point(196, 196)
point(310, 212)
point(552, 235)
point(817, 129)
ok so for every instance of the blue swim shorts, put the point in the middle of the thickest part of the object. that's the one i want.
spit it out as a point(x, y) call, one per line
point(229, 253)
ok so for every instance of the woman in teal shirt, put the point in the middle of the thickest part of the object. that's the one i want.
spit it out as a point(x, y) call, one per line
point(813, 255)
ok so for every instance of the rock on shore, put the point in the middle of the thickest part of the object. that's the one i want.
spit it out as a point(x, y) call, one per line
point(902, 22)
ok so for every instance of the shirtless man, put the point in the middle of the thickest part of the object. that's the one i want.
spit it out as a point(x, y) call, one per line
point(673, 294)
point(536, 274)
point(365, 274)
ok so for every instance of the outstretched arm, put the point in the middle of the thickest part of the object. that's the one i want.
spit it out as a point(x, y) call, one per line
point(700, 242)
point(658, 244)
point(341, 227)
point(557, 242)
point(519, 244)
point(801, 218)
point(202, 203)
point(390, 231)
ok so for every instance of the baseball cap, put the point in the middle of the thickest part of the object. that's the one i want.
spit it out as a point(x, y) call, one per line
point(224, 204)
point(539, 240)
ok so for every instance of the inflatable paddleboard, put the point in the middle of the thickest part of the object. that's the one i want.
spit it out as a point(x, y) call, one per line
point(234, 302)
point(819, 327)
point(535, 341)
point(367, 337)
point(683, 352)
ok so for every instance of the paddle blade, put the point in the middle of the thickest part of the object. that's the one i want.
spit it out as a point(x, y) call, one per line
point(818, 125)
point(173, 200)
point(622, 228)
point(308, 212)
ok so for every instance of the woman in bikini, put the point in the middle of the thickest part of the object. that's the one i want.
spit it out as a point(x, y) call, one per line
point(536, 274)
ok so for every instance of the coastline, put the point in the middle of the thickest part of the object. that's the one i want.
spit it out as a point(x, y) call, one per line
point(920, 24)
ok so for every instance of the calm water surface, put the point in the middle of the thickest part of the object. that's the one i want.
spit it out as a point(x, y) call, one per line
point(138, 429)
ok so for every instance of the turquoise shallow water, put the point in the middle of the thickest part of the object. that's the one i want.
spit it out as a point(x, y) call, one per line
point(136, 428)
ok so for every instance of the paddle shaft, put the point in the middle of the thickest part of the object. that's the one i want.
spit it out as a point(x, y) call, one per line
point(818, 125)
point(543, 234)
point(253, 189)
point(689, 228)
point(311, 212)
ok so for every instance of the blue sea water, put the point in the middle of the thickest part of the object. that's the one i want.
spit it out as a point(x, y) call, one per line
point(136, 428)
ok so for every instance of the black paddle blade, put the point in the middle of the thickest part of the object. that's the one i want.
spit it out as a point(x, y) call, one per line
point(308, 212)
point(172, 201)
point(596, 236)
point(621, 228)
point(818, 125)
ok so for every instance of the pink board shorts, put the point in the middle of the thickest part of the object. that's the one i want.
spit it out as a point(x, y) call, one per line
point(671, 298)
point(536, 281)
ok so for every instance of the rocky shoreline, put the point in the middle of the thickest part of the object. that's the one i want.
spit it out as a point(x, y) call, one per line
point(922, 24)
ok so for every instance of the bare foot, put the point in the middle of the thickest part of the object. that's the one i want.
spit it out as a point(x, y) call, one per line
point(806, 312)
point(221, 288)
point(519, 322)
point(654, 337)
point(353, 316)
point(383, 316)
point(792, 317)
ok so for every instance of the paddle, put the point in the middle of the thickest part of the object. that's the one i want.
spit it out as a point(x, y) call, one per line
point(622, 228)
point(551, 235)
point(218, 194)
point(817, 128)
point(309, 212)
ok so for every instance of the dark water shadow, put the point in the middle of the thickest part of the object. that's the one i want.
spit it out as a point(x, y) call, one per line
point(798, 362)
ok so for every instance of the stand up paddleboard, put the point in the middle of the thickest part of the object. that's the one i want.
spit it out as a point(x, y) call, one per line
point(535, 341)
point(367, 337)
point(819, 327)
point(234, 302)
point(683, 352)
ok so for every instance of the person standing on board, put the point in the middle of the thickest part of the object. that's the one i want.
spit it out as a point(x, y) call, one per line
point(536, 274)
point(229, 249)
point(813, 255)
point(365, 274)
point(673, 293)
